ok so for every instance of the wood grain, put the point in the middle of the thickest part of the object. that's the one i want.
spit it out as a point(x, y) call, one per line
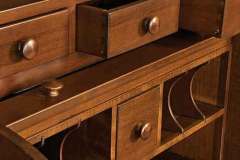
point(52, 42)
point(106, 32)
point(141, 109)
point(78, 97)
point(14, 147)
point(215, 17)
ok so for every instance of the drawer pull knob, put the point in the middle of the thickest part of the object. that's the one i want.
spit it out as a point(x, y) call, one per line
point(28, 48)
point(153, 25)
point(144, 131)
point(53, 88)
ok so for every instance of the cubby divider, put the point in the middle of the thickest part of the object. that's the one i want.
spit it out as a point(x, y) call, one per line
point(181, 99)
point(179, 102)
point(170, 122)
point(89, 140)
point(181, 109)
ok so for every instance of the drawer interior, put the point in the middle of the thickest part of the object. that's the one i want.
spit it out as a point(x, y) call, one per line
point(16, 3)
point(112, 4)
point(193, 98)
point(90, 139)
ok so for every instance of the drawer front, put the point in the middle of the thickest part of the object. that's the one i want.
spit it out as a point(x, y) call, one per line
point(137, 128)
point(32, 42)
point(142, 23)
point(112, 31)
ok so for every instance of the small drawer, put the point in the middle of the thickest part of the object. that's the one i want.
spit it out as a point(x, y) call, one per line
point(108, 29)
point(138, 127)
point(33, 42)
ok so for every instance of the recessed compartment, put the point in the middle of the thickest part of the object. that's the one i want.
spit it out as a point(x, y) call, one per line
point(211, 17)
point(31, 42)
point(193, 99)
point(88, 140)
point(110, 28)
point(138, 127)
point(202, 145)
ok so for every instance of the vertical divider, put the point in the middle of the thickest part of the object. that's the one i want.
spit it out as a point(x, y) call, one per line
point(170, 122)
point(160, 120)
point(113, 132)
point(181, 99)
point(179, 102)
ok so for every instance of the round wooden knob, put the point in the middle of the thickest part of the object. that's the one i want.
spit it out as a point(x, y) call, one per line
point(28, 48)
point(53, 88)
point(153, 25)
point(145, 131)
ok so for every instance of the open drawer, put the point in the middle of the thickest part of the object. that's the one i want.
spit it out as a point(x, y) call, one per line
point(13, 146)
point(110, 28)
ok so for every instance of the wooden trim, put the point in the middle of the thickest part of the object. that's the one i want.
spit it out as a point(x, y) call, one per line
point(37, 120)
point(186, 134)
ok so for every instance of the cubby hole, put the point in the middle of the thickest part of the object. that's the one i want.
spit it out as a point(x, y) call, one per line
point(202, 145)
point(193, 98)
point(90, 140)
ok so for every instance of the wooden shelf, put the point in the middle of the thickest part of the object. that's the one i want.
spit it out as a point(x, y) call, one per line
point(168, 136)
point(171, 138)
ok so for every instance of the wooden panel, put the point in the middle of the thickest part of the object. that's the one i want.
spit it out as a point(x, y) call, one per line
point(105, 31)
point(211, 17)
point(14, 147)
point(231, 23)
point(50, 33)
point(91, 30)
point(202, 145)
point(206, 88)
point(201, 16)
point(141, 109)
point(232, 149)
